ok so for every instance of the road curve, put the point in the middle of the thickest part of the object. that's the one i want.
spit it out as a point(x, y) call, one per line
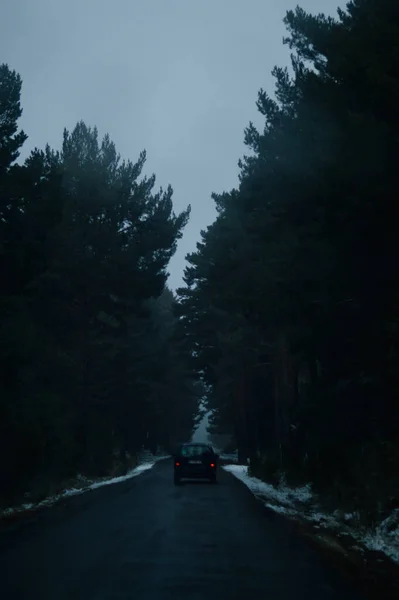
point(146, 539)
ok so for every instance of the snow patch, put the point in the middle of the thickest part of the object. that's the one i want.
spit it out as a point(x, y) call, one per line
point(385, 538)
point(282, 510)
point(229, 456)
point(282, 494)
point(351, 516)
point(300, 503)
point(133, 473)
point(87, 485)
point(322, 519)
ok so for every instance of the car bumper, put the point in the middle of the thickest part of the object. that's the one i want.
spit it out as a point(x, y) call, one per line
point(195, 472)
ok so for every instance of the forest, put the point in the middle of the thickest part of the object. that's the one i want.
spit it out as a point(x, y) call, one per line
point(288, 316)
point(290, 302)
point(92, 370)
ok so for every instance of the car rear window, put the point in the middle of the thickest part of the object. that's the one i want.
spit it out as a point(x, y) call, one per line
point(194, 450)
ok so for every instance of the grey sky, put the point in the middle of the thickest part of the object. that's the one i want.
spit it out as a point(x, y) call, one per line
point(176, 77)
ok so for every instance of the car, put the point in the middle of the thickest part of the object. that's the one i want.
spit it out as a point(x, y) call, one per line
point(195, 461)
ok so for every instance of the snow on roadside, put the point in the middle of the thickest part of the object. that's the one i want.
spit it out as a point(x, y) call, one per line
point(283, 495)
point(87, 485)
point(230, 456)
point(300, 503)
point(385, 538)
point(133, 473)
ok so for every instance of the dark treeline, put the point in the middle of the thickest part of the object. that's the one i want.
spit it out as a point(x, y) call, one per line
point(91, 368)
point(291, 300)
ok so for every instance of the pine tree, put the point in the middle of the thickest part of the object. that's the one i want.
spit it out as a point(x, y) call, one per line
point(92, 371)
point(300, 264)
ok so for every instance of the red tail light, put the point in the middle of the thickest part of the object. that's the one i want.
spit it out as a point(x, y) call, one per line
point(212, 464)
point(177, 464)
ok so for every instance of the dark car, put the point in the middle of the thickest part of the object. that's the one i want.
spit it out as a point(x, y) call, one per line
point(194, 461)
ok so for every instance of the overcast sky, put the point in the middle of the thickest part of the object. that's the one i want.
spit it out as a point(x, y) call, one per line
point(176, 77)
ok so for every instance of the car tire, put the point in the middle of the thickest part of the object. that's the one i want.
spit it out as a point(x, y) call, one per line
point(213, 479)
point(176, 480)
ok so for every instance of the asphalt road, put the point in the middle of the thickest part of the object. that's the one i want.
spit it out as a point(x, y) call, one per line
point(146, 539)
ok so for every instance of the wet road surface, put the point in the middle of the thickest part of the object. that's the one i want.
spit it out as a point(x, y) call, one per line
point(146, 539)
